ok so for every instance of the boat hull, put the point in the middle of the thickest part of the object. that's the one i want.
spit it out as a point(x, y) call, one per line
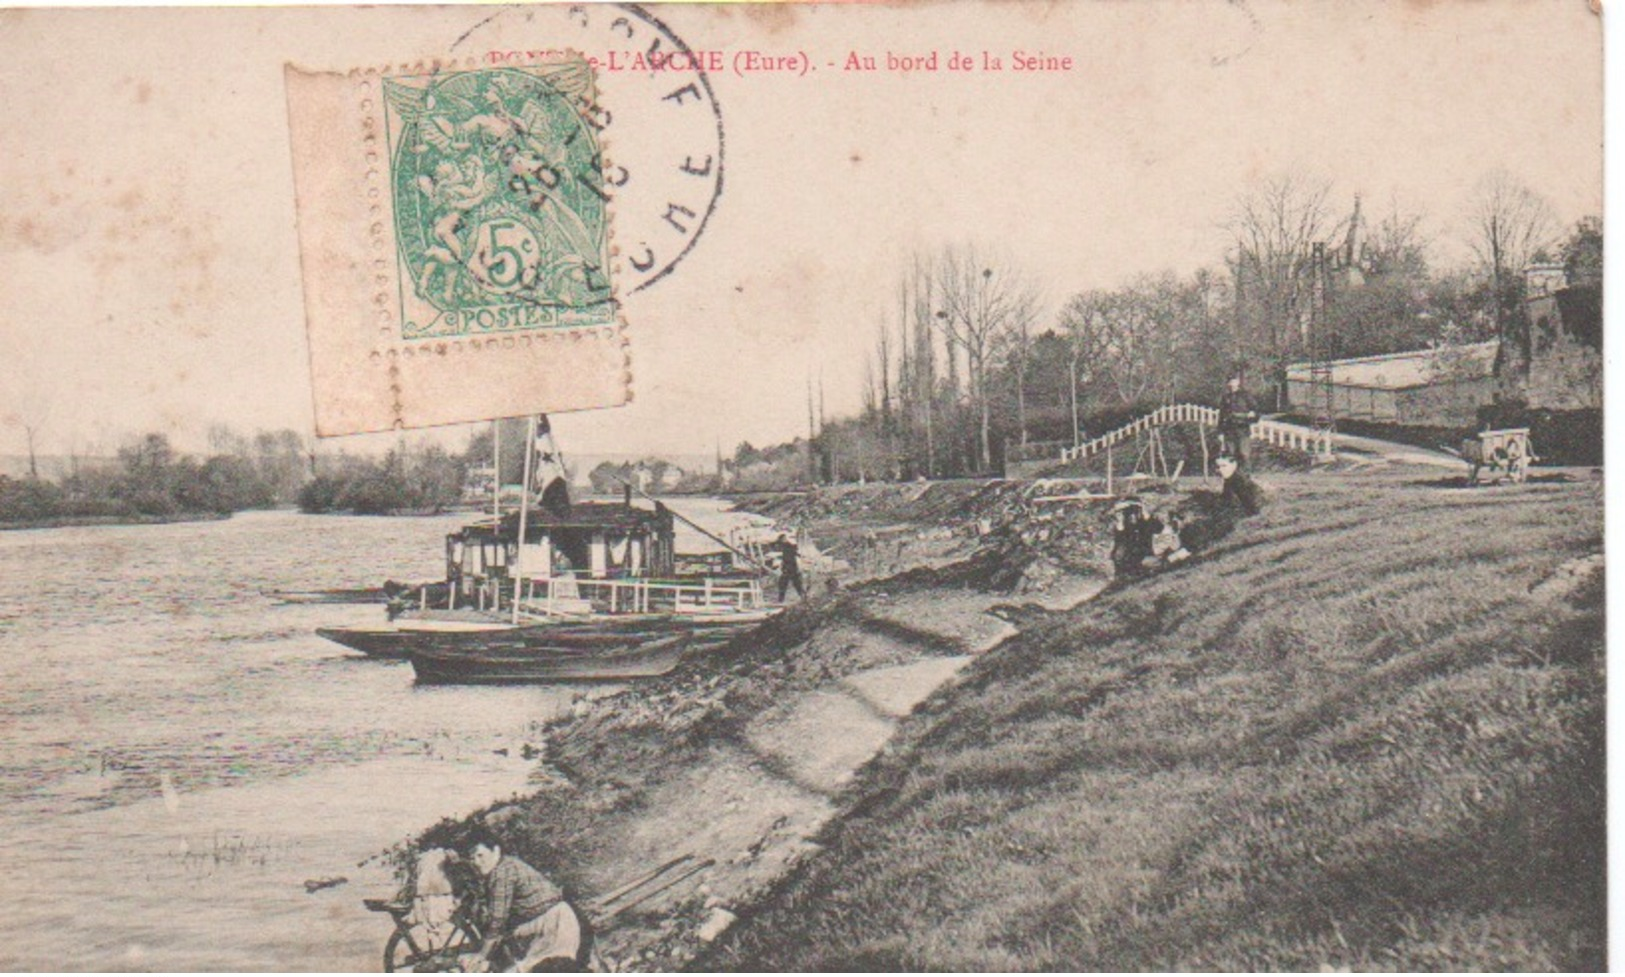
point(398, 640)
point(403, 639)
point(358, 595)
point(557, 663)
point(372, 642)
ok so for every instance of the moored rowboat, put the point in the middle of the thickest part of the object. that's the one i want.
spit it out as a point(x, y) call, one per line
point(403, 638)
point(641, 657)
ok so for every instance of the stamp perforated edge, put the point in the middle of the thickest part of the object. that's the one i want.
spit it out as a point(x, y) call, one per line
point(388, 348)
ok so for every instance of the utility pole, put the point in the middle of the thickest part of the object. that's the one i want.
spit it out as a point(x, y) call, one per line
point(1073, 369)
point(496, 470)
point(834, 461)
point(1323, 393)
point(812, 467)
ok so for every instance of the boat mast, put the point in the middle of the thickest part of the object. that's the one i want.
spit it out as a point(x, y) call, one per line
point(496, 470)
point(524, 513)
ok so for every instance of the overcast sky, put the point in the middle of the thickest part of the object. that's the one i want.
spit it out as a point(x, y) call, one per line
point(149, 253)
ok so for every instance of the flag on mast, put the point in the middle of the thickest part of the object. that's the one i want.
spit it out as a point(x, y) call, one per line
point(550, 481)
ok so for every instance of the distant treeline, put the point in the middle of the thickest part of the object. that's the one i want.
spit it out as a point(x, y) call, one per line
point(149, 479)
point(423, 479)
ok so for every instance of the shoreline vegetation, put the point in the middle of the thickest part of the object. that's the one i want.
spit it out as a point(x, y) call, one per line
point(149, 481)
point(1361, 730)
point(135, 519)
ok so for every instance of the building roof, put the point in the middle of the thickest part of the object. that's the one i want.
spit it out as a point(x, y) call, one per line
point(1398, 371)
point(609, 516)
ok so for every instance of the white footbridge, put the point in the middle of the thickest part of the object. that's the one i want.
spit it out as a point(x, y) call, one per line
point(1293, 437)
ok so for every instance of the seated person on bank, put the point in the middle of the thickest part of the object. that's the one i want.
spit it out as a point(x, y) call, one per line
point(1240, 492)
point(1166, 546)
point(528, 925)
point(1132, 533)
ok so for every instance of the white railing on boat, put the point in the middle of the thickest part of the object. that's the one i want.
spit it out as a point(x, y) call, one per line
point(570, 596)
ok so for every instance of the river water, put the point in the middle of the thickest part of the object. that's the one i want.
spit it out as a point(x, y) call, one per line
point(179, 753)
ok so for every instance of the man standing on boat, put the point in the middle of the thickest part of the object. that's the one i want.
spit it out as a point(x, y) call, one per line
point(528, 924)
point(789, 567)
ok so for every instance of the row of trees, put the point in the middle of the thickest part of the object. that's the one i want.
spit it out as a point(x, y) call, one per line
point(148, 478)
point(967, 364)
point(424, 478)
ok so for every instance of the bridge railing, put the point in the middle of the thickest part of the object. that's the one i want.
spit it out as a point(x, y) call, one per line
point(1281, 435)
point(1294, 437)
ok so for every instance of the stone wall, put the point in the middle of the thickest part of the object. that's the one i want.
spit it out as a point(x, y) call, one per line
point(1564, 371)
point(1557, 365)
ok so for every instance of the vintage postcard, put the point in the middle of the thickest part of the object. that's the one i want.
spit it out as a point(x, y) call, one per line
point(983, 487)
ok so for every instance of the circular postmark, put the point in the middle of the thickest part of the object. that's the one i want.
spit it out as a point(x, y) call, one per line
point(660, 120)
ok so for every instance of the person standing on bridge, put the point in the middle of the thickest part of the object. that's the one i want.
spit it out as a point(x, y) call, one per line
point(1236, 418)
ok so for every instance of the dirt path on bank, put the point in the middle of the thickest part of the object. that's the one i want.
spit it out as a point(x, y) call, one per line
point(741, 759)
point(752, 802)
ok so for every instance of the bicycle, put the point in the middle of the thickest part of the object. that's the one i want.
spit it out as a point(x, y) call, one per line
point(416, 947)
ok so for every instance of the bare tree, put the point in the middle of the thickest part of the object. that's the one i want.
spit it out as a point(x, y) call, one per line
point(1082, 321)
point(1157, 338)
point(1014, 347)
point(1087, 321)
point(1508, 225)
point(883, 359)
point(1138, 335)
point(32, 414)
point(981, 303)
point(1397, 243)
point(925, 360)
point(1275, 224)
point(31, 433)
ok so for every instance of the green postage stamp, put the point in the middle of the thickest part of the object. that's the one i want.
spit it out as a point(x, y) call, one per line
point(455, 243)
point(500, 212)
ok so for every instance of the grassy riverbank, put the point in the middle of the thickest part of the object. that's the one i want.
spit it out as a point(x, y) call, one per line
point(1365, 730)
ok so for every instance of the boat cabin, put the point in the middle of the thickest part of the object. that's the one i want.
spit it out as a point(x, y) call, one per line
point(589, 540)
point(586, 559)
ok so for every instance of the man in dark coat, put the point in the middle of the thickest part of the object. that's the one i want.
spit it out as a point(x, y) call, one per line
point(1132, 534)
point(789, 567)
point(1236, 418)
point(1240, 493)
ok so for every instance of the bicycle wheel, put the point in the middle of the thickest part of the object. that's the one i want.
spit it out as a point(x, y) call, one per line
point(422, 954)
